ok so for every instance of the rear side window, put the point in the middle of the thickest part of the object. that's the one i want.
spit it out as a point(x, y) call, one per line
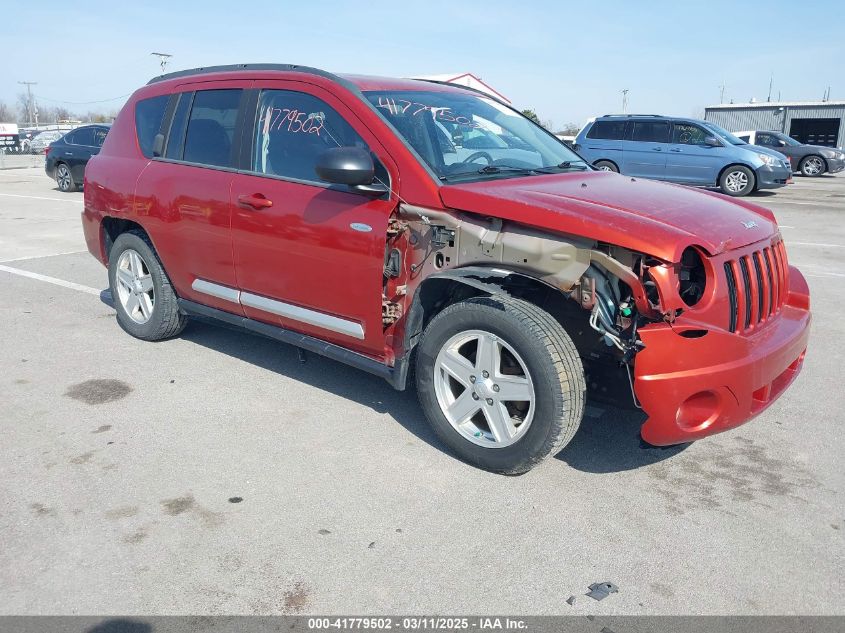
point(148, 116)
point(651, 131)
point(211, 127)
point(99, 136)
point(293, 129)
point(607, 130)
point(82, 136)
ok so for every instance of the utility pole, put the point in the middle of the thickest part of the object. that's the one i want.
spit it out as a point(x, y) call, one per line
point(625, 101)
point(771, 79)
point(722, 93)
point(29, 85)
point(163, 59)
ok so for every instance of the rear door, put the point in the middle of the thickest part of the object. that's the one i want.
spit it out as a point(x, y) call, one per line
point(309, 256)
point(644, 153)
point(690, 160)
point(186, 191)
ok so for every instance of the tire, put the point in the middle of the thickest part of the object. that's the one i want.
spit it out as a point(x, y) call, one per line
point(64, 178)
point(605, 165)
point(155, 317)
point(737, 181)
point(812, 166)
point(534, 352)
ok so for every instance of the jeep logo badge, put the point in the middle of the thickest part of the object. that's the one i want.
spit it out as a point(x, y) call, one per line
point(750, 224)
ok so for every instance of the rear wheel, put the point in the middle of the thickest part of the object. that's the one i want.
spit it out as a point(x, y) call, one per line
point(737, 180)
point(605, 165)
point(500, 382)
point(64, 178)
point(146, 304)
point(812, 166)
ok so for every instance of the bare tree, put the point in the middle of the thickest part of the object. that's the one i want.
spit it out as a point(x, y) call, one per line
point(570, 129)
point(7, 114)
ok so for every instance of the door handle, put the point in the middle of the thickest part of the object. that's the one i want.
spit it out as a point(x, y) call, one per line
point(657, 149)
point(255, 200)
point(674, 149)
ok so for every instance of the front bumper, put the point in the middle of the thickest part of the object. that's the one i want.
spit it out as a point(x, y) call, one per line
point(694, 387)
point(835, 165)
point(773, 176)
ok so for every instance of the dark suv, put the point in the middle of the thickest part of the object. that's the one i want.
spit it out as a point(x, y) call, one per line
point(67, 157)
point(390, 223)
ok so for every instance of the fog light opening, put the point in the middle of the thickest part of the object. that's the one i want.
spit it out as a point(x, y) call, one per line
point(698, 411)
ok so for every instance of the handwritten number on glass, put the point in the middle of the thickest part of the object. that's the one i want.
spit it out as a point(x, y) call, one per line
point(294, 121)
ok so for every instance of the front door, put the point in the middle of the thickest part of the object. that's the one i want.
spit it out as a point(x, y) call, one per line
point(644, 154)
point(79, 151)
point(308, 255)
point(690, 160)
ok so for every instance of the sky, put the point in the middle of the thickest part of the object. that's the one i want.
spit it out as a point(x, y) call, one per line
point(567, 61)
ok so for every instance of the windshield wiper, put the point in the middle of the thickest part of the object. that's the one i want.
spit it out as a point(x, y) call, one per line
point(564, 165)
point(495, 169)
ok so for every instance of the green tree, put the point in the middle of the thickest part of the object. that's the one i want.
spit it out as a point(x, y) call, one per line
point(531, 115)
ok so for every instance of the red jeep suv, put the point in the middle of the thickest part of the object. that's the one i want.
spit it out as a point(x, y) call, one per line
point(391, 224)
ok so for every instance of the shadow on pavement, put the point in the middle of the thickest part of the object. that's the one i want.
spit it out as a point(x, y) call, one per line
point(604, 444)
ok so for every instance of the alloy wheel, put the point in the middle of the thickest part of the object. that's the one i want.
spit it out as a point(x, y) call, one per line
point(63, 178)
point(484, 389)
point(813, 166)
point(135, 287)
point(736, 181)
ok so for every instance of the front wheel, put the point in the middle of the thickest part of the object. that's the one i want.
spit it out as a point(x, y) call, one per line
point(812, 166)
point(737, 181)
point(500, 382)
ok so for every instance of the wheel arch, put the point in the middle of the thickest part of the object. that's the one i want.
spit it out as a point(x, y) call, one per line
point(442, 289)
point(111, 228)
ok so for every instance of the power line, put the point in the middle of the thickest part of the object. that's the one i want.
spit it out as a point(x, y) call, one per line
point(83, 102)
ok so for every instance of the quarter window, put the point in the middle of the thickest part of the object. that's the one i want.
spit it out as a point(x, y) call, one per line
point(651, 131)
point(607, 130)
point(293, 129)
point(176, 136)
point(148, 116)
point(688, 134)
point(99, 136)
point(211, 127)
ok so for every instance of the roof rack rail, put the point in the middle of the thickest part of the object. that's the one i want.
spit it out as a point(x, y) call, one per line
point(235, 67)
point(633, 115)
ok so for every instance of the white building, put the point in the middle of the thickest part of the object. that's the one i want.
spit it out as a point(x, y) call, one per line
point(466, 79)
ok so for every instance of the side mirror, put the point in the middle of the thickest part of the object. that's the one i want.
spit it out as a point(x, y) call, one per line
point(712, 141)
point(781, 143)
point(351, 166)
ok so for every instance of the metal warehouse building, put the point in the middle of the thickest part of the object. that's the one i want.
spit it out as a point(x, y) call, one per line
point(812, 122)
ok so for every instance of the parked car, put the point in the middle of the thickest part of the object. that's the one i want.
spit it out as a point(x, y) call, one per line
point(40, 143)
point(685, 151)
point(68, 156)
point(810, 160)
point(26, 137)
point(329, 212)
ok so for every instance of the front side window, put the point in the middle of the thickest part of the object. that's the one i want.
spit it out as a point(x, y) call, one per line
point(688, 134)
point(293, 129)
point(462, 136)
point(651, 131)
point(148, 116)
point(766, 139)
point(786, 139)
point(211, 127)
point(99, 136)
point(723, 133)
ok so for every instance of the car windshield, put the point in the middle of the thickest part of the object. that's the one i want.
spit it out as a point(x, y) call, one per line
point(465, 137)
point(786, 139)
point(720, 131)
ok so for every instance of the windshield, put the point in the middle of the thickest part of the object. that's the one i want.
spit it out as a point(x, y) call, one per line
point(466, 137)
point(720, 131)
point(786, 139)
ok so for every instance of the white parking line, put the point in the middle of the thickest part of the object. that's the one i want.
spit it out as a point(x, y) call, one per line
point(17, 195)
point(820, 245)
point(50, 280)
point(28, 257)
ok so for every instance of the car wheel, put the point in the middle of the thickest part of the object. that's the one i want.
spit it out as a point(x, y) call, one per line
point(500, 382)
point(737, 181)
point(812, 166)
point(146, 304)
point(64, 178)
point(605, 165)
